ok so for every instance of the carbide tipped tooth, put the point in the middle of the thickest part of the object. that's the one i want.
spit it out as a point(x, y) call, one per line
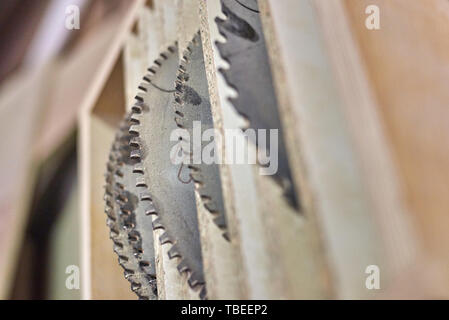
point(165, 238)
point(111, 222)
point(194, 281)
point(158, 62)
point(135, 154)
point(128, 273)
point(113, 232)
point(171, 49)
point(143, 86)
point(134, 129)
point(137, 109)
point(174, 252)
point(183, 267)
point(144, 264)
point(179, 122)
point(123, 259)
point(140, 182)
point(136, 286)
point(157, 224)
point(134, 142)
point(138, 168)
point(220, 221)
point(119, 173)
point(119, 186)
point(182, 68)
point(133, 236)
point(138, 254)
point(150, 209)
point(196, 176)
point(139, 97)
point(146, 196)
point(211, 208)
point(135, 117)
point(118, 245)
point(110, 216)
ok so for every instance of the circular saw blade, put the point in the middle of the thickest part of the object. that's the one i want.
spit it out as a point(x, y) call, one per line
point(162, 186)
point(192, 105)
point(122, 207)
point(250, 76)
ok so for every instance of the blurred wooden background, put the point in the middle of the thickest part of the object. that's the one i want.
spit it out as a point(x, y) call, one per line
point(367, 129)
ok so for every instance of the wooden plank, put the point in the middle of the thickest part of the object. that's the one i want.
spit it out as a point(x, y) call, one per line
point(106, 275)
point(101, 278)
point(405, 67)
point(325, 164)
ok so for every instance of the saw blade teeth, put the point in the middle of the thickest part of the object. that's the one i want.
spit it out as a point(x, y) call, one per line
point(135, 118)
point(209, 205)
point(178, 85)
point(135, 154)
point(182, 70)
point(220, 221)
point(242, 31)
point(192, 60)
point(150, 209)
point(111, 218)
point(165, 238)
point(174, 252)
point(134, 129)
point(143, 86)
point(119, 185)
point(136, 109)
point(119, 173)
point(123, 260)
point(171, 49)
point(145, 196)
point(180, 122)
point(109, 202)
point(179, 113)
point(133, 236)
point(144, 264)
point(140, 182)
point(183, 267)
point(138, 168)
point(157, 224)
point(162, 81)
point(196, 176)
point(118, 245)
point(139, 97)
point(151, 70)
point(134, 142)
point(118, 210)
point(194, 280)
point(113, 232)
point(158, 62)
point(136, 286)
point(109, 168)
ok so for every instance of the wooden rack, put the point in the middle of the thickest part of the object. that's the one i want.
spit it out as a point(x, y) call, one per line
point(367, 124)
